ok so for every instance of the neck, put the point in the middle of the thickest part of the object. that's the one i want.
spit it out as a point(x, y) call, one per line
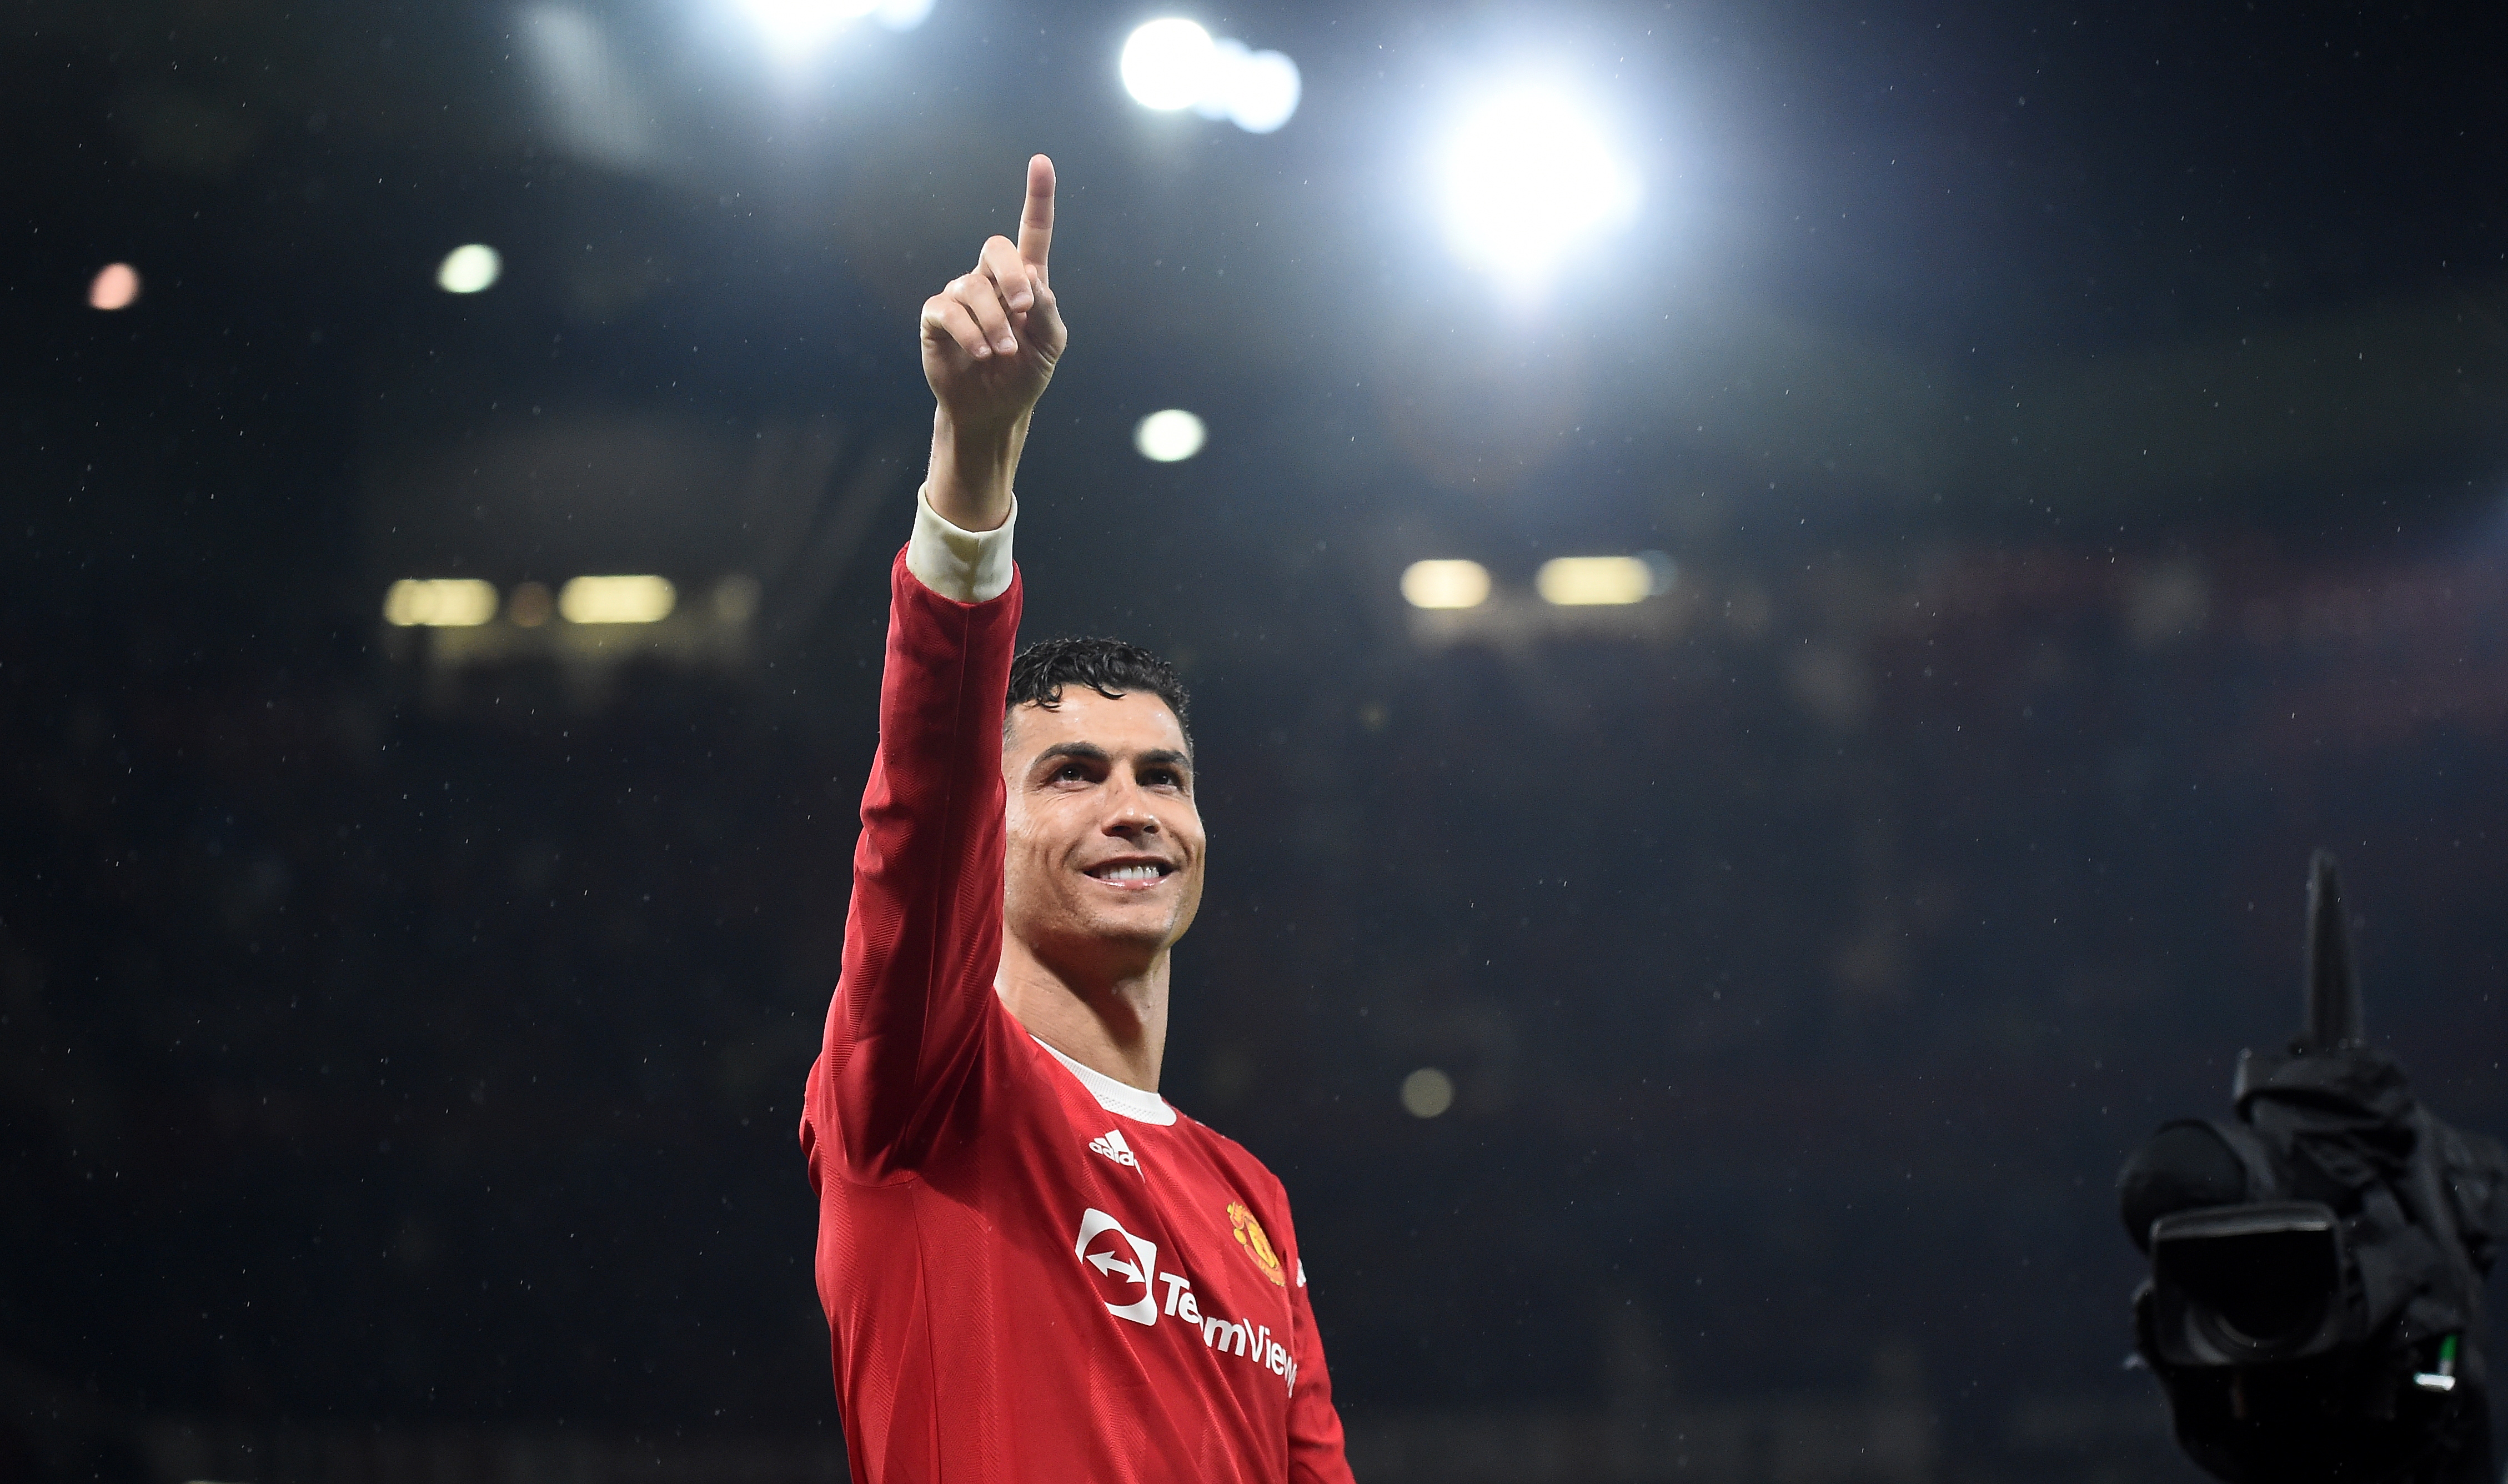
point(1112, 1022)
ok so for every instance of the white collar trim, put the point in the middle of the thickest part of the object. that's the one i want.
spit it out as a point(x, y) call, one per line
point(1116, 1096)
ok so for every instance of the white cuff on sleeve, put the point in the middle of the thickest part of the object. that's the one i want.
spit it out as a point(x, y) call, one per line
point(962, 566)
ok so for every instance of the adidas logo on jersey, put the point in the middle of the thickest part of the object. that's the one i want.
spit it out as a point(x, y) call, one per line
point(1111, 1144)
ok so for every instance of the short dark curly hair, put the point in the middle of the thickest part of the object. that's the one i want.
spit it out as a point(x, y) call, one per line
point(1110, 667)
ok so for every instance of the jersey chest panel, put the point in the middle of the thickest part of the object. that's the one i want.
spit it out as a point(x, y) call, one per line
point(1143, 1267)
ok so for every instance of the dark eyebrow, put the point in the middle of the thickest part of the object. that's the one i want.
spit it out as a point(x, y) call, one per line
point(1088, 751)
point(1091, 752)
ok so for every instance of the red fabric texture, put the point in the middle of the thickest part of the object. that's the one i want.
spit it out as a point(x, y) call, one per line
point(1005, 1301)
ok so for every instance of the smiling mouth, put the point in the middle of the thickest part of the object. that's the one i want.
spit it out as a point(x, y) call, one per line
point(1132, 873)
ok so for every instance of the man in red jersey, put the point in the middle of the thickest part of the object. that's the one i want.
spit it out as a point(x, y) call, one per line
point(1033, 1267)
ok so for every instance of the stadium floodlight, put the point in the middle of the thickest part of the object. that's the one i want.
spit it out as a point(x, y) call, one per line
point(1444, 583)
point(1254, 91)
point(1170, 436)
point(116, 286)
point(1584, 581)
point(1172, 63)
point(796, 26)
point(1529, 176)
point(1263, 91)
point(1428, 1093)
point(1169, 64)
point(616, 600)
point(439, 603)
point(469, 269)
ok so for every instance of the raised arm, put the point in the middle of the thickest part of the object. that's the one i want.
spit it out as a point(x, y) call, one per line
point(923, 935)
point(990, 342)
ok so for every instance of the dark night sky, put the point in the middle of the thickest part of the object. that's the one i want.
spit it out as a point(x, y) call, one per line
point(2078, 434)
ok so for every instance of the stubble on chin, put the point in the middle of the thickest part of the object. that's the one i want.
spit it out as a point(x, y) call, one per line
point(1142, 927)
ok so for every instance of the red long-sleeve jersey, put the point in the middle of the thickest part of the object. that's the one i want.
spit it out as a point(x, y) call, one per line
point(1031, 1272)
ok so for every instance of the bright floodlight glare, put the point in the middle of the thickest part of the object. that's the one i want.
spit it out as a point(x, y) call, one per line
point(798, 25)
point(439, 603)
point(1580, 582)
point(1446, 584)
point(616, 600)
point(1526, 177)
point(1262, 91)
point(1256, 91)
point(1228, 55)
point(1169, 63)
point(1218, 79)
point(901, 15)
point(1167, 437)
point(469, 269)
point(116, 286)
point(1428, 1093)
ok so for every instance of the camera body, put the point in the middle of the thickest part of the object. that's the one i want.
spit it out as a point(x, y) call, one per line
point(2315, 1305)
point(2250, 1284)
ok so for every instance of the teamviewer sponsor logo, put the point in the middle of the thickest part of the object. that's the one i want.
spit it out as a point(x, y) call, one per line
point(1118, 1254)
point(1124, 1264)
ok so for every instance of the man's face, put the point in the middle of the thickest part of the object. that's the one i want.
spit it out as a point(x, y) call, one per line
point(1105, 843)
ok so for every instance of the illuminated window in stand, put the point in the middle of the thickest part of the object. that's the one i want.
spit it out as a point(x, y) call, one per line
point(1446, 583)
point(1600, 581)
point(617, 599)
point(439, 603)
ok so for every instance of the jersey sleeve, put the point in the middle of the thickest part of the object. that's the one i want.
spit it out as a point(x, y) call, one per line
point(923, 934)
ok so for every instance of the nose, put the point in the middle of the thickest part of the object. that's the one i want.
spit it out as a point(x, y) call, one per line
point(1129, 813)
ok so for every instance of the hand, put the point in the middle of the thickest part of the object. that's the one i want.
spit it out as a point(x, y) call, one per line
point(991, 341)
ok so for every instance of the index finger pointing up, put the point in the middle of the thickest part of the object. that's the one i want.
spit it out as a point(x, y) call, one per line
point(1035, 223)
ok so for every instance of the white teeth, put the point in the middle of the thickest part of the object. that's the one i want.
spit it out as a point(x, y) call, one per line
point(1131, 873)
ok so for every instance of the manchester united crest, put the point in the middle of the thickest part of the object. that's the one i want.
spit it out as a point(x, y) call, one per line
point(1249, 1236)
